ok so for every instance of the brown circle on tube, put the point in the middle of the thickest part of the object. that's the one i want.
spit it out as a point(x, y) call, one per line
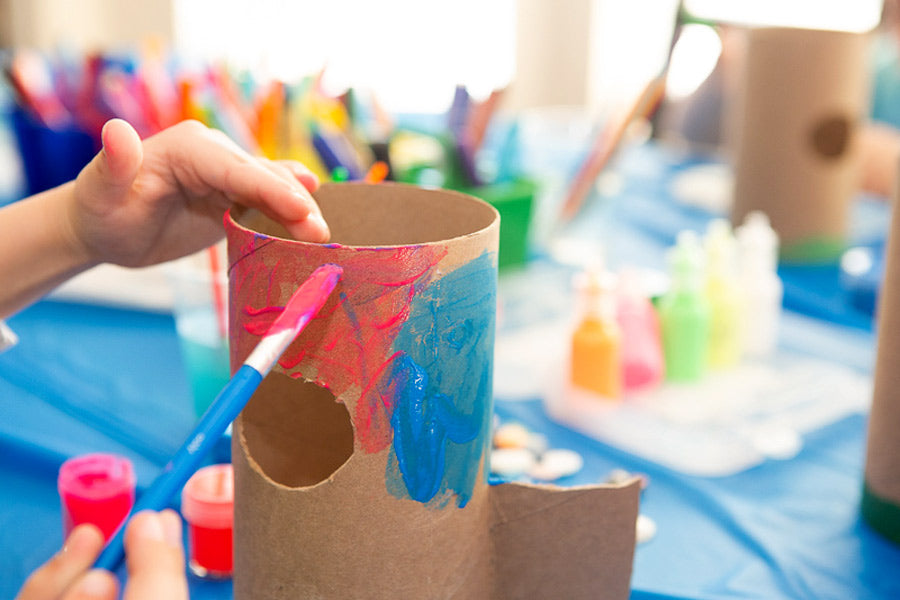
point(830, 136)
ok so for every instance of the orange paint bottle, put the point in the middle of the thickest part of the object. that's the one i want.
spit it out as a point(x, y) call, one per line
point(597, 340)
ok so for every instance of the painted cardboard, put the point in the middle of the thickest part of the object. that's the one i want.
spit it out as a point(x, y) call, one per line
point(801, 97)
point(361, 461)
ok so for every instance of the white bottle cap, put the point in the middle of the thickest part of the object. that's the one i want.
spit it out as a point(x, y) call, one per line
point(758, 243)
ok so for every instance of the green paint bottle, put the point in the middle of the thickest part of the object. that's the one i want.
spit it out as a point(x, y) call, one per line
point(684, 312)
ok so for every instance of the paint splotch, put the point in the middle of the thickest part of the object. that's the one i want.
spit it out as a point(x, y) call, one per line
point(347, 347)
point(413, 345)
point(442, 382)
point(423, 425)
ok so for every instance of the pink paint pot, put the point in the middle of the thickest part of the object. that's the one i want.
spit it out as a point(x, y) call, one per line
point(98, 489)
point(207, 504)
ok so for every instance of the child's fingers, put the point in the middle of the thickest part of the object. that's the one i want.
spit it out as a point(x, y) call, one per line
point(123, 151)
point(258, 187)
point(207, 158)
point(155, 557)
point(96, 584)
point(265, 186)
point(111, 172)
point(311, 229)
point(77, 555)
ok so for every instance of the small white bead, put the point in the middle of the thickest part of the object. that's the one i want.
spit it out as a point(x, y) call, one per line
point(617, 476)
point(645, 529)
point(556, 464)
point(511, 462)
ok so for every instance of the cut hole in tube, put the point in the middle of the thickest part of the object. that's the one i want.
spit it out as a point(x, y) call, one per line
point(295, 431)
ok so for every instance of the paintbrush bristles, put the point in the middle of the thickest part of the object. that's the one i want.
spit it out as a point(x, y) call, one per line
point(300, 308)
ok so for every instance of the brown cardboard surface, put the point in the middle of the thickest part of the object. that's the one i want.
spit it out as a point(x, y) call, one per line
point(563, 543)
point(802, 96)
point(883, 445)
point(321, 510)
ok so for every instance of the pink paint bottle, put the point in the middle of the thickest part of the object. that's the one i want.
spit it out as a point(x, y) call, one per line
point(207, 503)
point(643, 365)
point(98, 489)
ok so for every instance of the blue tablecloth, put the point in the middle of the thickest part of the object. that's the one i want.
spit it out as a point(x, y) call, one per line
point(91, 378)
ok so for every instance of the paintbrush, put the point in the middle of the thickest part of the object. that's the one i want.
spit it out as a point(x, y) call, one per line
point(299, 310)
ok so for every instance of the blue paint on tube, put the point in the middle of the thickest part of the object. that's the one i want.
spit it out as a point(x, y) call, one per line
point(441, 384)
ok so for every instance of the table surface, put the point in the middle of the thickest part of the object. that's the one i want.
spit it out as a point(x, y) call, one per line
point(92, 378)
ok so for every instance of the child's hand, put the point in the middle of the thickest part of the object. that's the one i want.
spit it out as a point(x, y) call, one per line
point(155, 564)
point(139, 203)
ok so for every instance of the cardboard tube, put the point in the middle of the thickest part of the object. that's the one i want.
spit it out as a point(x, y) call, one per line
point(360, 463)
point(330, 501)
point(801, 97)
point(881, 492)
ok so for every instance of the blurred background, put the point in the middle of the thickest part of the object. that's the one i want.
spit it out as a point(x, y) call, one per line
point(154, 63)
point(602, 131)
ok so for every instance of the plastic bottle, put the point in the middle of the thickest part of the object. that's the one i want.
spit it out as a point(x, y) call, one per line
point(762, 288)
point(684, 312)
point(596, 342)
point(642, 358)
point(726, 300)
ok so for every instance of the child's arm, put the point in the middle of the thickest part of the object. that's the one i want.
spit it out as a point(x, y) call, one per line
point(140, 203)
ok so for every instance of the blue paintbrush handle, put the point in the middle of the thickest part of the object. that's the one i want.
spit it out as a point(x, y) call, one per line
point(302, 306)
point(225, 409)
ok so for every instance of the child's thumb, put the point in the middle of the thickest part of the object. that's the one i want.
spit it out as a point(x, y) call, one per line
point(111, 173)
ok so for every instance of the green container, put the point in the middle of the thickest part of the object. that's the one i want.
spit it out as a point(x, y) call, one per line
point(881, 514)
point(514, 200)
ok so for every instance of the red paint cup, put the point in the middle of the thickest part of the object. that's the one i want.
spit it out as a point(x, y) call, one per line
point(207, 503)
point(98, 489)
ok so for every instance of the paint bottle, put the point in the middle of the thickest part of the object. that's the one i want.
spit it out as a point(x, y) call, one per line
point(762, 288)
point(725, 297)
point(642, 358)
point(207, 504)
point(684, 312)
point(596, 342)
point(98, 489)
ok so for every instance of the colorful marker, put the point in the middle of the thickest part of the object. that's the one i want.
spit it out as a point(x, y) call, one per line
point(377, 172)
point(339, 174)
point(334, 153)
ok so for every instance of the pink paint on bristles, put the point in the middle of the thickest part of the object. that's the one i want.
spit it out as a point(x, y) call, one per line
point(303, 305)
point(308, 299)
